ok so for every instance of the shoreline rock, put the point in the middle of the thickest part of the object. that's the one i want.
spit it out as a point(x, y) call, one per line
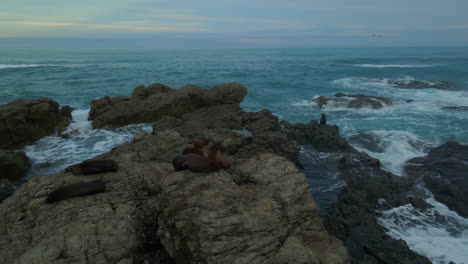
point(353, 101)
point(13, 164)
point(26, 121)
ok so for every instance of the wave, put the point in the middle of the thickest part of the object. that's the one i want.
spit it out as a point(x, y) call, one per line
point(395, 148)
point(437, 233)
point(393, 65)
point(10, 66)
point(83, 143)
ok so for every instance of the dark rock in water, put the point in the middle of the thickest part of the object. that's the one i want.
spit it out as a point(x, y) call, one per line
point(93, 167)
point(353, 218)
point(415, 84)
point(7, 188)
point(65, 118)
point(149, 104)
point(25, 121)
point(444, 172)
point(76, 190)
point(367, 141)
point(353, 101)
point(324, 138)
point(323, 120)
point(419, 203)
point(460, 108)
point(13, 164)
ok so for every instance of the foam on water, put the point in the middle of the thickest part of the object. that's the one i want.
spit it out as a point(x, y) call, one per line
point(392, 66)
point(398, 147)
point(437, 233)
point(54, 153)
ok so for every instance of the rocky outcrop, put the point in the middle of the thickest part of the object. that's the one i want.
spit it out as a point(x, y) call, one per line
point(7, 188)
point(444, 173)
point(342, 100)
point(324, 138)
point(260, 211)
point(13, 164)
point(354, 217)
point(415, 84)
point(149, 104)
point(25, 121)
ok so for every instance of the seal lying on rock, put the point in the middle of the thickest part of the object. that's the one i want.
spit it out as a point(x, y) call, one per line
point(92, 167)
point(197, 147)
point(76, 190)
point(197, 163)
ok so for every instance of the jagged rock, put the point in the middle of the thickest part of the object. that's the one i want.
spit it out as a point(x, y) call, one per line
point(353, 101)
point(444, 172)
point(353, 218)
point(324, 138)
point(65, 118)
point(7, 188)
point(415, 84)
point(13, 164)
point(120, 111)
point(208, 218)
point(259, 122)
point(460, 108)
point(142, 197)
point(25, 121)
point(142, 92)
point(367, 141)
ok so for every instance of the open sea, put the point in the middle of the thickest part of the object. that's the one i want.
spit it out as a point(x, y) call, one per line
point(285, 81)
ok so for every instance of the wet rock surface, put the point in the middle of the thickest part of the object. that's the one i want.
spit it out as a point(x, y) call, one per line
point(444, 173)
point(13, 164)
point(415, 84)
point(149, 104)
point(7, 188)
point(25, 121)
point(352, 101)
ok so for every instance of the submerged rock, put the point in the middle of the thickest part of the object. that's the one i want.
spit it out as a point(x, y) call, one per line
point(367, 141)
point(444, 172)
point(25, 121)
point(460, 108)
point(415, 84)
point(353, 101)
point(149, 104)
point(13, 164)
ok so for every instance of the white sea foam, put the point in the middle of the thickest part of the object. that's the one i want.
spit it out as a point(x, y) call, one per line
point(438, 233)
point(398, 147)
point(8, 66)
point(393, 65)
point(54, 153)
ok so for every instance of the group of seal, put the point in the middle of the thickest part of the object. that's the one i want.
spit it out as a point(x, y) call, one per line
point(78, 189)
point(195, 160)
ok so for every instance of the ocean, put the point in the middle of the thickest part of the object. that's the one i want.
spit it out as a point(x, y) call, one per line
point(285, 81)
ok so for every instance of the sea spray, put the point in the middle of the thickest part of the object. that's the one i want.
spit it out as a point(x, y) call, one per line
point(54, 153)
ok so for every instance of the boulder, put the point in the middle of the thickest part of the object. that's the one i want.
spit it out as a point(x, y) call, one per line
point(444, 172)
point(149, 212)
point(259, 122)
point(324, 138)
point(352, 101)
point(149, 104)
point(7, 188)
point(208, 218)
point(25, 121)
point(13, 164)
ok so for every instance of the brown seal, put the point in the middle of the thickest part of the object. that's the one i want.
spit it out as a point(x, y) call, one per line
point(76, 190)
point(92, 167)
point(217, 157)
point(197, 163)
point(197, 147)
point(194, 163)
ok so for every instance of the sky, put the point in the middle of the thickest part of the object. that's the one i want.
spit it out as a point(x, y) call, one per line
point(233, 23)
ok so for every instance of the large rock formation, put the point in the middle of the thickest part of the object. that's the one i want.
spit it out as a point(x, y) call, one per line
point(25, 121)
point(149, 104)
point(444, 172)
point(259, 211)
point(352, 101)
point(13, 164)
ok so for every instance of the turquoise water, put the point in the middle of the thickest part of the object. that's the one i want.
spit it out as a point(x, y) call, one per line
point(282, 80)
